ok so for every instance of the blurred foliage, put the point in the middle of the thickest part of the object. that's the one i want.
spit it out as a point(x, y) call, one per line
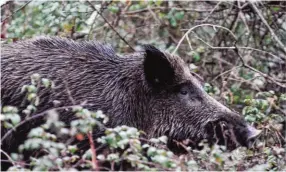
point(207, 48)
point(126, 145)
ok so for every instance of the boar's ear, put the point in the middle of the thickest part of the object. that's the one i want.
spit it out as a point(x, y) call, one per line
point(157, 68)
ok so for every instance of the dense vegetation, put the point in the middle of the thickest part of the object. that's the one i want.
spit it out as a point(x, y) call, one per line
point(237, 47)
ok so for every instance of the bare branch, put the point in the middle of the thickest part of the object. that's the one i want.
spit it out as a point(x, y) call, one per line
point(233, 47)
point(191, 29)
point(276, 81)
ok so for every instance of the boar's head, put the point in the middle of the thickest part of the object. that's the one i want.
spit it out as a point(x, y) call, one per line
point(181, 109)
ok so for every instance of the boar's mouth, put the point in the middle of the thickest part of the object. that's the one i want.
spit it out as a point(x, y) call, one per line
point(221, 133)
point(225, 133)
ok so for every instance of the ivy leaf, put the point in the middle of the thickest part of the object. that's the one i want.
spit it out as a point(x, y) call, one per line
point(250, 118)
point(173, 21)
point(179, 15)
point(15, 119)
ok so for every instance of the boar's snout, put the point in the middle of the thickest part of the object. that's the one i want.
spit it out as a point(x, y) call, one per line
point(231, 130)
point(253, 133)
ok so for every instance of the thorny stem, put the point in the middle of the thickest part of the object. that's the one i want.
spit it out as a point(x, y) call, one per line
point(93, 151)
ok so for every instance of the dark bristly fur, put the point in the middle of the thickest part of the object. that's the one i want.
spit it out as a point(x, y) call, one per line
point(153, 91)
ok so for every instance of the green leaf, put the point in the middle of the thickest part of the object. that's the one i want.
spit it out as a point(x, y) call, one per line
point(100, 157)
point(250, 118)
point(135, 7)
point(160, 159)
point(162, 15)
point(36, 132)
point(15, 119)
point(275, 8)
point(282, 97)
point(151, 151)
point(113, 9)
point(163, 139)
point(112, 157)
point(158, 2)
point(195, 56)
point(179, 15)
point(8, 125)
point(9, 109)
point(87, 155)
point(173, 21)
point(200, 49)
point(72, 148)
point(36, 76)
point(248, 102)
point(32, 89)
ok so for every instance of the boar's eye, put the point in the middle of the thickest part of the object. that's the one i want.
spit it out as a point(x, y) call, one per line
point(181, 89)
point(184, 90)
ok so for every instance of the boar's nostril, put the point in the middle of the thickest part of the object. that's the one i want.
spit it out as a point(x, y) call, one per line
point(252, 132)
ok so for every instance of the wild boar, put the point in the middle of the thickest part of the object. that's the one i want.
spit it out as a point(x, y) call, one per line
point(151, 90)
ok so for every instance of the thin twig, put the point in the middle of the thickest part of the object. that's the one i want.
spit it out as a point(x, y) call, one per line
point(242, 16)
point(168, 8)
point(14, 12)
point(189, 42)
point(9, 158)
point(105, 20)
point(154, 15)
point(182, 145)
point(225, 72)
point(211, 11)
